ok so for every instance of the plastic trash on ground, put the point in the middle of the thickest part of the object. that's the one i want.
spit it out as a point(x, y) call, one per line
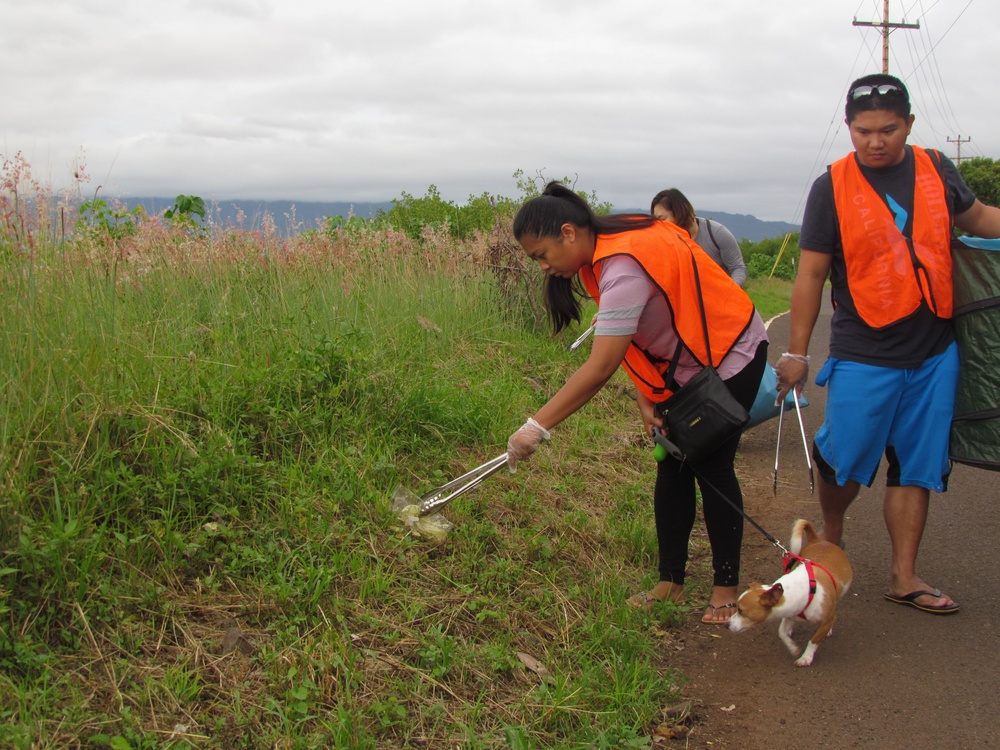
point(406, 505)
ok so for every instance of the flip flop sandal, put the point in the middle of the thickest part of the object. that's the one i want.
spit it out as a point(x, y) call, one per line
point(910, 600)
point(642, 600)
point(711, 619)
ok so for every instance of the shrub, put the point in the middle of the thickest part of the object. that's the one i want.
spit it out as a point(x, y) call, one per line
point(760, 257)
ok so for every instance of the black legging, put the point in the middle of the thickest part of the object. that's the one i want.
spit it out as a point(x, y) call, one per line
point(674, 500)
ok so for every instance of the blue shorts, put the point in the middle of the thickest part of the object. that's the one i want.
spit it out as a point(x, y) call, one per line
point(903, 413)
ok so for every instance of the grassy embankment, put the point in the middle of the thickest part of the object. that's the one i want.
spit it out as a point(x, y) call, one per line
point(199, 439)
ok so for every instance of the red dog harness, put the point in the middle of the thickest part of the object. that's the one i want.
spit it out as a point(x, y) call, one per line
point(788, 563)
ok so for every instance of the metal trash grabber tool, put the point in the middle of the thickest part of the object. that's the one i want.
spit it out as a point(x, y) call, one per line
point(437, 499)
point(583, 337)
point(805, 444)
point(777, 446)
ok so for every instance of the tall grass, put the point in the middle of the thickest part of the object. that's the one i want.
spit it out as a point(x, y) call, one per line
point(199, 437)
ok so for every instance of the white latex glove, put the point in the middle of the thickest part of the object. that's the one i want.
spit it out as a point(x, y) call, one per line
point(793, 372)
point(524, 442)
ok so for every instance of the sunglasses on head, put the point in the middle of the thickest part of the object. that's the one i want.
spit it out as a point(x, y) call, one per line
point(882, 90)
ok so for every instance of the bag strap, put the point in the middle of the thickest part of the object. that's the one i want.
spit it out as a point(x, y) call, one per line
point(701, 309)
point(708, 223)
point(669, 377)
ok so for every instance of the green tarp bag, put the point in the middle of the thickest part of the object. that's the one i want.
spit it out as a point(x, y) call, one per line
point(975, 429)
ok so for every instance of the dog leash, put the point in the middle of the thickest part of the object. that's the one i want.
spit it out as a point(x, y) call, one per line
point(735, 507)
point(674, 451)
point(788, 558)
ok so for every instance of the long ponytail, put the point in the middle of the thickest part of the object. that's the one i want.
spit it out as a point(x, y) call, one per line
point(544, 216)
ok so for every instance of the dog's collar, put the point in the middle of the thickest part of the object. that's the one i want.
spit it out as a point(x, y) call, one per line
point(788, 563)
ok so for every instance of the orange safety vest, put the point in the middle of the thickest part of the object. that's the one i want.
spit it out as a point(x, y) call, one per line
point(888, 275)
point(669, 257)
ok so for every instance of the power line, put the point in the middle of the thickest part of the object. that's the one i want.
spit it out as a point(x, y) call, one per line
point(926, 64)
point(931, 73)
point(920, 62)
point(885, 25)
point(921, 55)
point(959, 141)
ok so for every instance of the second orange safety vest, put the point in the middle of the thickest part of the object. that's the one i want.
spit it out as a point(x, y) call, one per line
point(888, 274)
point(669, 257)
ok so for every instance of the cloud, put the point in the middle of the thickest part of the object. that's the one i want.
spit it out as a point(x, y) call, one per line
point(737, 105)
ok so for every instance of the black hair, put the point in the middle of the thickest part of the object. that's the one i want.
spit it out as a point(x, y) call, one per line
point(544, 216)
point(676, 203)
point(896, 101)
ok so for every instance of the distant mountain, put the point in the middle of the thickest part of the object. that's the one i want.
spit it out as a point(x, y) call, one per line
point(289, 216)
point(746, 227)
point(295, 216)
point(743, 226)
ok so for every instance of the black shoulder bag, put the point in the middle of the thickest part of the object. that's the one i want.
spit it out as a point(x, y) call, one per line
point(702, 414)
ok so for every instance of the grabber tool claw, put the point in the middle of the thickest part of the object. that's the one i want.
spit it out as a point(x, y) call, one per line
point(805, 443)
point(777, 447)
point(583, 337)
point(437, 499)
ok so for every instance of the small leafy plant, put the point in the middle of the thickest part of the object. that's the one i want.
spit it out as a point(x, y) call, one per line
point(182, 213)
point(111, 220)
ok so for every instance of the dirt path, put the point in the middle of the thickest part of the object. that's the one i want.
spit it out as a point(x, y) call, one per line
point(891, 676)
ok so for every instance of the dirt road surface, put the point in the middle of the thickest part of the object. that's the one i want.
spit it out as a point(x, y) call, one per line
point(890, 676)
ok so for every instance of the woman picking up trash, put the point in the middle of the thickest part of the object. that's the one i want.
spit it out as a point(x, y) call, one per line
point(648, 278)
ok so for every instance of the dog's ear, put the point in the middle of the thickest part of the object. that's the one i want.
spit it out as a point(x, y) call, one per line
point(772, 596)
point(756, 586)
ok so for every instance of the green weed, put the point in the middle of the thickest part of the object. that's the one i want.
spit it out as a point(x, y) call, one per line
point(199, 436)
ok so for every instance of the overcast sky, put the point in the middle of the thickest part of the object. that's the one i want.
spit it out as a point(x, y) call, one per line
point(737, 103)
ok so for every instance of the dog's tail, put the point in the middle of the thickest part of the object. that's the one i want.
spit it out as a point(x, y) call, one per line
point(803, 534)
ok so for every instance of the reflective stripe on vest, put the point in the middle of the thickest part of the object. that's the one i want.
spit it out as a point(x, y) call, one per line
point(889, 275)
point(666, 254)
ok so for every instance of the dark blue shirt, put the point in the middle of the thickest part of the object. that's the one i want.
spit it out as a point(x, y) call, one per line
point(908, 342)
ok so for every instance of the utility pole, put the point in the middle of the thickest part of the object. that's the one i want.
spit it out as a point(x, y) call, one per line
point(885, 26)
point(959, 141)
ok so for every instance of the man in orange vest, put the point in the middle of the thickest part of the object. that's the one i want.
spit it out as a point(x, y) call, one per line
point(879, 224)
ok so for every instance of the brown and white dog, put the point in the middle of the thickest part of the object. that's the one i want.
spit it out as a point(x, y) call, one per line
point(819, 574)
